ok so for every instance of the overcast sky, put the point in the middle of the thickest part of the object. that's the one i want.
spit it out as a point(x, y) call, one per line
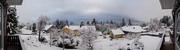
point(81, 10)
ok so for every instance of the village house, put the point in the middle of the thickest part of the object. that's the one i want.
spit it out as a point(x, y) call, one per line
point(74, 30)
point(116, 33)
point(133, 31)
point(48, 28)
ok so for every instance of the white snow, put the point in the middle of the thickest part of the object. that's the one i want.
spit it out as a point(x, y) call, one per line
point(167, 39)
point(152, 33)
point(150, 43)
point(30, 42)
point(25, 31)
point(79, 28)
point(117, 32)
point(73, 27)
point(99, 33)
point(133, 29)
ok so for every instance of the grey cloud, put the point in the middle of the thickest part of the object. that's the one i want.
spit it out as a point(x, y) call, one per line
point(77, 10)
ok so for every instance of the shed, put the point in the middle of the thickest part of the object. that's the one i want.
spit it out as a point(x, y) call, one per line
point(48, 28)
point(116, 33)
point(74, 29)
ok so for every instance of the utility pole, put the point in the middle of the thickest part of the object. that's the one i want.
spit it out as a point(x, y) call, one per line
point(63, 40)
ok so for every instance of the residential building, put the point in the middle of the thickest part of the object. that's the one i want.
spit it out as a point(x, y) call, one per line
point(116, 33)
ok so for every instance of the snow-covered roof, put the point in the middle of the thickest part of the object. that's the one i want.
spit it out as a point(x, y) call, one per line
point(117, 32)
point(133, 29)
point(99, 33)
point(79, 28)
point(47, 27)
point(73, 27)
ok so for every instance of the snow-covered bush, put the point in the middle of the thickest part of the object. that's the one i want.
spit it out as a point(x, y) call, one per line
point(88, 37)
point(77, 42)
point(153, 27)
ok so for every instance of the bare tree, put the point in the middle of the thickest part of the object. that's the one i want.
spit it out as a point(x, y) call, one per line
point(42, 21)
point(88, 37)
point(153, 27)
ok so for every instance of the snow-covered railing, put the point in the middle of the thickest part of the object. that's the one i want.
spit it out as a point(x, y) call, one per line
point(13, 40)
point(160, 44)
point(171, 35)
point(22, 45)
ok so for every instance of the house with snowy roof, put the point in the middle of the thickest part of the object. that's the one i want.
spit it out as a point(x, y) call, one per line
point(133, 29)
point(75, 29)
point(116, 33)
point(48, 28)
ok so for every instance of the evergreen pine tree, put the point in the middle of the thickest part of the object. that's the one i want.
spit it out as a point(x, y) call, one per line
point(101, 22)
point(129, 22)
point(34, 27)
point(72, 23)
point(107, 22)
point(67, 23)
point(12, 21)
point(88, 23)
point(123, 23)
point(94, 22)
point(111, 22)
point(82, 24)
point(57, 23)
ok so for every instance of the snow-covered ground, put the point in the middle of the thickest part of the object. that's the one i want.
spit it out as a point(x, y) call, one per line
point(25, 31)
point(150, 43)
point(30, 42)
